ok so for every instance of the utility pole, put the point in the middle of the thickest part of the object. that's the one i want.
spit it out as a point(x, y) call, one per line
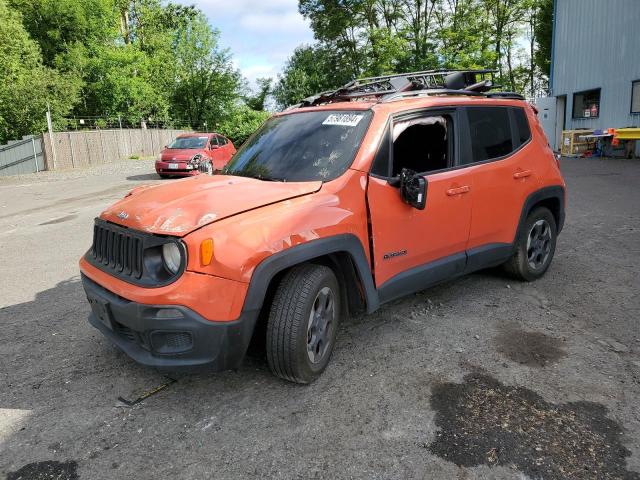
point(53, 147)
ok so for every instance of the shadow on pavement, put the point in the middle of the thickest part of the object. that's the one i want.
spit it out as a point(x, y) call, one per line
point(144, 177)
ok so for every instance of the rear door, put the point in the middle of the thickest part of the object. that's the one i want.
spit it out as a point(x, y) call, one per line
point(415, 248)
point(503, 174)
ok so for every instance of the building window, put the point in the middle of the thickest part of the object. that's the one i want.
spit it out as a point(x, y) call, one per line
point(586, 104)
point(635, 97)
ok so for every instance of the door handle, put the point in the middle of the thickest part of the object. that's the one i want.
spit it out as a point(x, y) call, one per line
point(522, 174)
point(458, 190)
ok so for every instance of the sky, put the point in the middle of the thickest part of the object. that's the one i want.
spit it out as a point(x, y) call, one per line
point(261, 34)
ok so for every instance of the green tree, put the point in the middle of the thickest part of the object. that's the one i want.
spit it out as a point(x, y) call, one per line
point(207, 85)
point(310, 70)
point(241, 122)
point(373, 37)
point(26, 85)
point(257, 100)
point(61, 25)
point(543, 35)
point(120, 83)
point(461, 33)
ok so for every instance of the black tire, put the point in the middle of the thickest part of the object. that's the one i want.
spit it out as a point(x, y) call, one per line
point(534, 249)
point(163, 176)
point(294, 336)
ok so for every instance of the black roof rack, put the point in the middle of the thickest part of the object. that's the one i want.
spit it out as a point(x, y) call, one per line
point(429, 82)
point(512, 95)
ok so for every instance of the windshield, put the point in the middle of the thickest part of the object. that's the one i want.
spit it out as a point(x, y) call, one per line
point(188, 142)
point(302, 147)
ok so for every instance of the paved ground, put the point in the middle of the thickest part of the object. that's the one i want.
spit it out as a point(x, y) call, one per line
point(480, 378)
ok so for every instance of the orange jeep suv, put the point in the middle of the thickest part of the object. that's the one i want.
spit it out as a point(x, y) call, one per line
point(347, 201)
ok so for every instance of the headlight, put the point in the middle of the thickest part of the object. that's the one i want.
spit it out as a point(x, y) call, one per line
point(171, 257)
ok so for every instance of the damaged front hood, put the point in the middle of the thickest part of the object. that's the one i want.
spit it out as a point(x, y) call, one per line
point(181, 206)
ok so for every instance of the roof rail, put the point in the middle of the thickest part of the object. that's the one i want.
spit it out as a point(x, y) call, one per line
point(459, 81)
point(512, 95)
point(430, 92)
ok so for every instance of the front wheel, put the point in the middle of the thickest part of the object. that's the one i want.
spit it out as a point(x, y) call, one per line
point(303, 323)
point(534, 247)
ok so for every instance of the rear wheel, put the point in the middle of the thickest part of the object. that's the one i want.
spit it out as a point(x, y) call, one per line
point(303, 322)
point(535, 246)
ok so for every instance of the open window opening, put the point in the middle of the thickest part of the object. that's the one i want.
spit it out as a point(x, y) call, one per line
point(422, 144)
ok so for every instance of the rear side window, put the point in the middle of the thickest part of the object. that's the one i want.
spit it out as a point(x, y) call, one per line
point(490, 130)
point(522, 124)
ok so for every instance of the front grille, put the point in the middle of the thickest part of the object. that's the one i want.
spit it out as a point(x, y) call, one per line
point(132, 255)
point(118, 249)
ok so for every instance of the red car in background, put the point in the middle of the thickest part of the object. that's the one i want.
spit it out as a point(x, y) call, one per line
point(193, 153)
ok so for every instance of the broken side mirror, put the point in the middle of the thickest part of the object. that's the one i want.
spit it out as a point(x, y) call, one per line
point(413, 188)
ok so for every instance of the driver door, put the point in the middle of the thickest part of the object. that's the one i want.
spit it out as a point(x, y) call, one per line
point(216, 153)
point(413, 248)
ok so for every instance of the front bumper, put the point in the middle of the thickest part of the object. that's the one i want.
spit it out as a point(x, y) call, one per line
point(169, 337)
point(162, 168)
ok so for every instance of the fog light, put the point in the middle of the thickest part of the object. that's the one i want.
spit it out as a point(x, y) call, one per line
point(168, 313)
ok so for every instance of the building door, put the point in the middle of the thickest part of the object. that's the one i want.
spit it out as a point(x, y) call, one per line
point(546, 107)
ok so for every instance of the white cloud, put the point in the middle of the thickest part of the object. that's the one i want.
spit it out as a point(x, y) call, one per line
point(260, 34)
point(275, 23)
point(257, 71)
point(211, 7)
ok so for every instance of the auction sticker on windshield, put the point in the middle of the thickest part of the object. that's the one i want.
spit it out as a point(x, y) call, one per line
point(343, 119)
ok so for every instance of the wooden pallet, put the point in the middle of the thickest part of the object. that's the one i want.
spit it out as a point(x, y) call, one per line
point(574, 146)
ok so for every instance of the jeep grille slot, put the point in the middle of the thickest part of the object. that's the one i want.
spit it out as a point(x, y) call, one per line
point(117, 249)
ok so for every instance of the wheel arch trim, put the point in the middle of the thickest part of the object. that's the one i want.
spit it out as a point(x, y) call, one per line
point(271, 266)
point(554, 192)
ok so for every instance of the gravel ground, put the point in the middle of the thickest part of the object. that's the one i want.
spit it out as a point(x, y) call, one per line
point(482, 377)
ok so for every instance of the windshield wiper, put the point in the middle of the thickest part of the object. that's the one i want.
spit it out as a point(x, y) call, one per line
point(257, 177)
point(272, 179)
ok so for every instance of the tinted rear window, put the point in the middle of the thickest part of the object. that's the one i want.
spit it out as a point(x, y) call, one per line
point(524, 133)
point(490, 132)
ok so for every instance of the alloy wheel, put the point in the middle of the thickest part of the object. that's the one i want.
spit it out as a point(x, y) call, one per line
point(539, 244)
point(321, 323)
